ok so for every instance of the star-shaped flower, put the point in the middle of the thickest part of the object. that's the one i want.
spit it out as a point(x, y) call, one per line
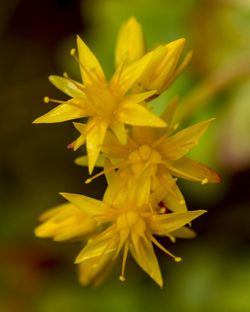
point(108, 104)
point(160, 156)
point(130, 224)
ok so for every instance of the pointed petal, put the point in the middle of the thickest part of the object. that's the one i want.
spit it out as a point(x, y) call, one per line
point(164, 224)
point(93, 271)
point(192, 170)
point(125, 78)
point(180, 68)
point(91, 206)
point(143, 252)
point(168, 115)
point(137, 115)
point(96, 130)
point(82, 138)
point(140, 97)
point(130, 43)
point(120, 131)
point(83, 161)
point(69, 87)
point(113, 194)
point(89, 66)
point(183, 141)
point(72, 109)
point(99, 246)
point(183, 232)
point(174, 199)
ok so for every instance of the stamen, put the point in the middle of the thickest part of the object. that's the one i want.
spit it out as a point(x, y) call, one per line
point(186, 175)
point(124, 259)
point(46, 100)
point(176, 259)
point(87, 72)
point(111, 168)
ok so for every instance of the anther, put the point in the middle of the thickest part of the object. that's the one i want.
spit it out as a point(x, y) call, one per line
point(177, 259)
point(87, 181)
point(122, 278)
point(72, 52)
point(46, 99)
point(204, 181)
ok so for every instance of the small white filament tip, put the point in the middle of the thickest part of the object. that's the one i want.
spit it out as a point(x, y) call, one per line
point(46, 99)
point(87, 181)
point(204, 181)
point(72, 52)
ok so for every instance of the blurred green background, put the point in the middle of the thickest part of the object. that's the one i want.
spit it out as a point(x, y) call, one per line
point(39, 275)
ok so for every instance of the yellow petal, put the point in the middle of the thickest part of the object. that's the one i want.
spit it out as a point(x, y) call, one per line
point(143, 253)
point(90, 68)
point(83, 161)
point(65, 222)
point(140, 97)
point(72, 109)
point(99, 246)
point(124, 78)
point(137, 115)
point(130, 43)
point(69, 87)
point(90, 206)
point(120, 131)
point(82, 138)
point(94, 271)
point(180, 68)
point(183, 232)
point(183, 141)
point(96, 130)
point(164, 224)
point(168, 115)
point(192, 170)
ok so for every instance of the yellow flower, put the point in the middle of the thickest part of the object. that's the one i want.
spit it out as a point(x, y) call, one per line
point(65, 222)
point(160, 156)
point(164, 65)
point(107, 104)
point(130, 224)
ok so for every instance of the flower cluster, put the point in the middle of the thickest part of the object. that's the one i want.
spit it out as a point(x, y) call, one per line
point(142, 156)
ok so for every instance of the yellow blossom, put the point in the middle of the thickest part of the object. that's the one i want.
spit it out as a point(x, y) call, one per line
point(160, 156)
point(65, 222)
point(108, 104)
point(131, 224)
point(164, 66)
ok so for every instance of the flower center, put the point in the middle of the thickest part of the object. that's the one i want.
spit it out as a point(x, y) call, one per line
point(142, 157)
point(131, 220)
